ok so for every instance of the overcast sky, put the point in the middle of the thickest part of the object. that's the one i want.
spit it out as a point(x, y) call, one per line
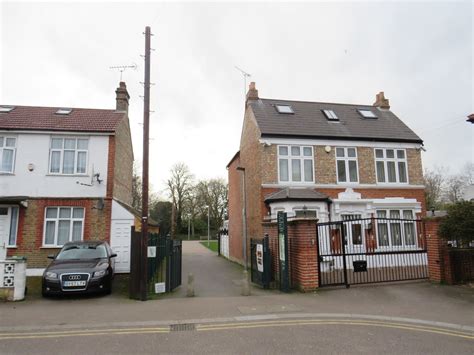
point(420, 54)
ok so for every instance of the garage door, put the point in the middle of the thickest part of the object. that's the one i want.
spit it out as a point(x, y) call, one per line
point(120, 243)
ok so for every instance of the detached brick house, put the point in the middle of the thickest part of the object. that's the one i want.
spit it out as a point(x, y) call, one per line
point(325, 160)
point(65, 175)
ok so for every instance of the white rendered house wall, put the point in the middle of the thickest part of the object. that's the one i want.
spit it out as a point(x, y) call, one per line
point(31, 175)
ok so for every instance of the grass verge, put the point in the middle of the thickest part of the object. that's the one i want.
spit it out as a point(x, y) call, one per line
point(213, 245)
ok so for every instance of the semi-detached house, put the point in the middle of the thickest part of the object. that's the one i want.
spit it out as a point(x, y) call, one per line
point(326, 160)
point(65, 175)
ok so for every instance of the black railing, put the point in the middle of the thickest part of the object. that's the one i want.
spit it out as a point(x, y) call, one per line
point(369, 250)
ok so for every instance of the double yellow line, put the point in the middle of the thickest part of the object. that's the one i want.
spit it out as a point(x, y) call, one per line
point(303, 322)
point(237, 325)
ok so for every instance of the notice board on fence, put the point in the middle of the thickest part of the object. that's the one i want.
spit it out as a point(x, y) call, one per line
point(283, 251)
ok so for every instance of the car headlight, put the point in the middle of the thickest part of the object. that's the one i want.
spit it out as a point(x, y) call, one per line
point(51, 275)
point(100, 273)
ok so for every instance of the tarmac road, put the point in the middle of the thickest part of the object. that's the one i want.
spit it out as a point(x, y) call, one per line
point(393, 318)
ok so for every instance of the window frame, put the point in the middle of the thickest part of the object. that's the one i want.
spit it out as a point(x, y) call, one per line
point(330, 115)
point(289, 159)
point(61, 158)
point(346, 160)
point(283, 112)
point(402, 222)
point(396, 161)
point(3, 147)
point(56, 225)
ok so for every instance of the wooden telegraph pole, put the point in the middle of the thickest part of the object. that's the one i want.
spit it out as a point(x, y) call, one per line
point(146, 140)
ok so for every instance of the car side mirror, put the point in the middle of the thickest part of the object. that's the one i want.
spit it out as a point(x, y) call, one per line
point(113, 255)
point(51, 256)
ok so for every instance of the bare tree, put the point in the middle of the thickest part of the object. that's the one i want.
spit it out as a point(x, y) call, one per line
point(467, 173)
point(454, 188)
point(434, 181)
point(136, 189)
point(213, 193)
point(179, 186)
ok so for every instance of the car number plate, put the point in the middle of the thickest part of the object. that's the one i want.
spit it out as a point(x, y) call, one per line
point(74, 283)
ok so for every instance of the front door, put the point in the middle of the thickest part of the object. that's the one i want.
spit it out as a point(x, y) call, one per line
point(4, 231)
point(120, 243)
point(352, 234)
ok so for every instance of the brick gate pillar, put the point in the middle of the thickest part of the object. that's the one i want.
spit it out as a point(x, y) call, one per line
point(303, 254)
point(439, 263)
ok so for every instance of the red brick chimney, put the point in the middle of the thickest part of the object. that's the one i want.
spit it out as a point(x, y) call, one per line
point(252, 94)
point(122, 97)
point(381, 101)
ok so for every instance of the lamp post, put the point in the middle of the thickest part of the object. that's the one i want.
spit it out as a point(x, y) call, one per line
point(245, 284)
point(208, 226)
point(189, 225)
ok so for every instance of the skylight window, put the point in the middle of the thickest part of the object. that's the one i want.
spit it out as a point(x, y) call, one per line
point(367, 114)
point(6, 109)
point(284, 109)
point(331, 115)
point(64, 111)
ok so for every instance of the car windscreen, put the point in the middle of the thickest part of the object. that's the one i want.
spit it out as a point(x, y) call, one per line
point(82, 251)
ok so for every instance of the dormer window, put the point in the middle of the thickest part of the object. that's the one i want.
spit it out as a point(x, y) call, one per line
point(6, 109)
point(64, 111)
point(331, 115)
point(367, 114)
point(287, 109)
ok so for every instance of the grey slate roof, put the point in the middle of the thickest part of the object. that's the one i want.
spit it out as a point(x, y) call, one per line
point(296, 194)
point(309, 121)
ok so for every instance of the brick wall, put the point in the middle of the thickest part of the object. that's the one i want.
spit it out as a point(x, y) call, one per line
point(31, 227)
point(325, 165)
point(123, 163)
point(445, 264)
point(270, 162)
point(303, 253)
point(251, 160)
point(235, 211)
point(366, 164)
point(415, 167)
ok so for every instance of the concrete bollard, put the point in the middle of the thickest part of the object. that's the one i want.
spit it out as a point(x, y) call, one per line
point(245, 284)
point(190, 290)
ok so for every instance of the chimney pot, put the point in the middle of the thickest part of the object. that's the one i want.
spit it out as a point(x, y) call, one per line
point(381, 101)
point(122, 97)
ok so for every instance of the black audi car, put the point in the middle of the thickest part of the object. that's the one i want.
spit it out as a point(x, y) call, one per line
point(80, 267)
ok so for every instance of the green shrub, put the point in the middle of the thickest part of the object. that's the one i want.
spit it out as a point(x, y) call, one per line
point(459, 223)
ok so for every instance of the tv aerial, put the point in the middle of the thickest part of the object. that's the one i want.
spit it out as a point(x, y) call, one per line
point(122, 68)
point(245, 75)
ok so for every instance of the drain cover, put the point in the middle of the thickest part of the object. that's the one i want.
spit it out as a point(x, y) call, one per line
point(185, 327)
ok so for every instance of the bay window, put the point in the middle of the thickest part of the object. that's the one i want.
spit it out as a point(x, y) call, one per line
point(396, 228)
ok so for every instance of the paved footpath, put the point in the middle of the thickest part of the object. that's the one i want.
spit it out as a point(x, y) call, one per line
point(392, 318)
point(214, 276)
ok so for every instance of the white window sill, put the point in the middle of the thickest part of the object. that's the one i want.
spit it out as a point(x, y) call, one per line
point(11, 247)
point(51, 247)
point(5, 173)
point(69, 175)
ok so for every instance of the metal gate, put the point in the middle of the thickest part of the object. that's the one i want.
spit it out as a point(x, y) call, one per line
point(260, 262)
point(371, 250)
point(174, 264)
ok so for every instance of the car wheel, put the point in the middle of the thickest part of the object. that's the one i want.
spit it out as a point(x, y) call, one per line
point(44, 293)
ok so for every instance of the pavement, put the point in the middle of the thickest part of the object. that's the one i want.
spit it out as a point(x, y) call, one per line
point(415, 317)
